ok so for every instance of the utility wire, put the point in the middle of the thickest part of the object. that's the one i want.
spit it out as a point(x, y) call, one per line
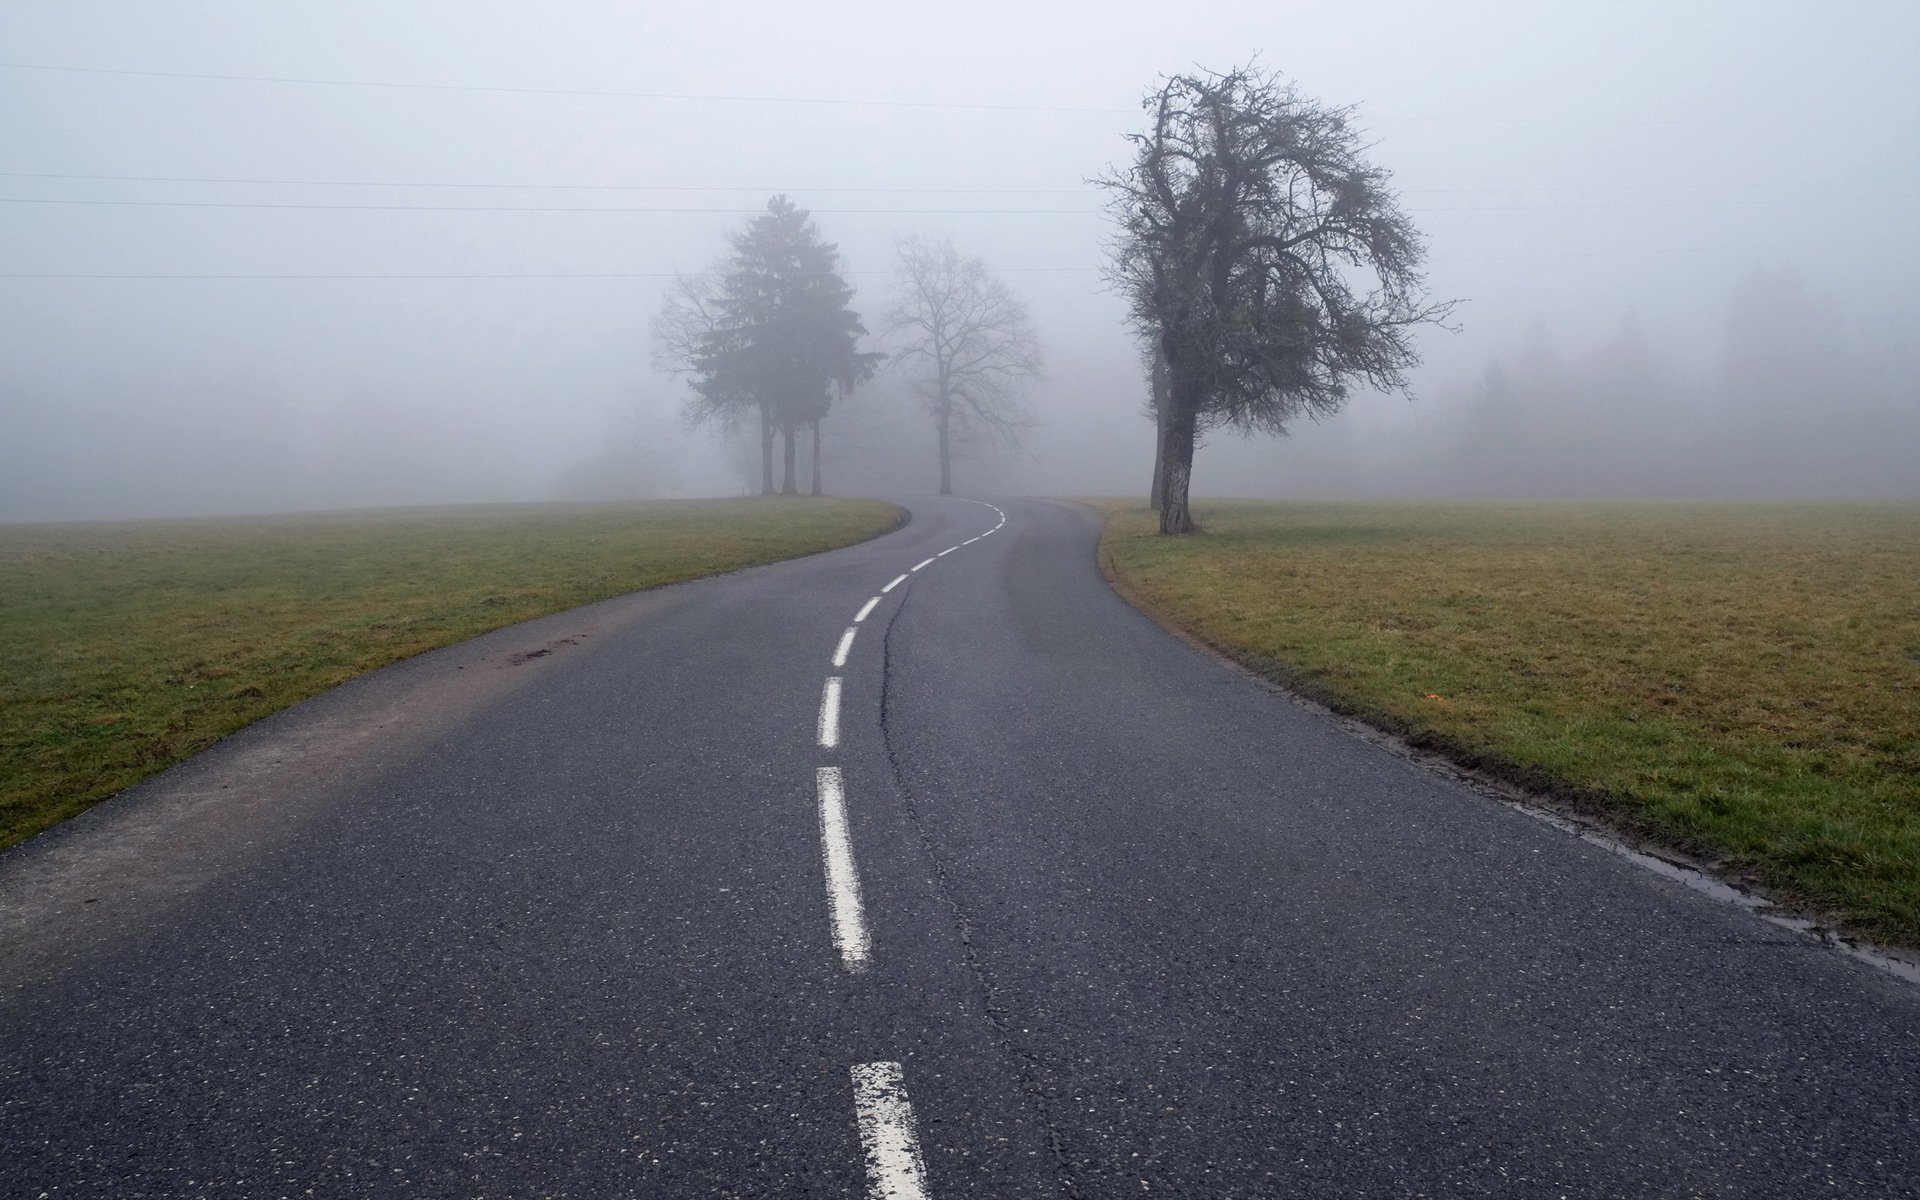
point(862, 102)
point(515, 207)
point(956, 191)
point(834, 101)
point(495, 274)
point(563, 208)
point(1773, 200)
point(1643, 251)
point(554, 187)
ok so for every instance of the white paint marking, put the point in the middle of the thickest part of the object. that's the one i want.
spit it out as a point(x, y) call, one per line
point(846, 644)
point(898, 580)
point(866, 610)
point(895, 1170)
point(830, 713)
point(970, 541)
point(929, 562)
point(843, 882)
point(947, 551)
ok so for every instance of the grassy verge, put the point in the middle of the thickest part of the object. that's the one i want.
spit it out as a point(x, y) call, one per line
point(1738, 681)
point(130, 646)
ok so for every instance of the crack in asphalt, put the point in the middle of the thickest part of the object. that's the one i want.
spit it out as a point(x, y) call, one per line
point(1028, 1068)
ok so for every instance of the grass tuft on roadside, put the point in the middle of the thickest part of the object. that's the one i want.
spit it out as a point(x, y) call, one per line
point(1739, 681)
point(132, 645)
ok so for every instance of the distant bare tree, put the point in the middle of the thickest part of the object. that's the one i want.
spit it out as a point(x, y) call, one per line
point(1269, 261)
point(967, 344)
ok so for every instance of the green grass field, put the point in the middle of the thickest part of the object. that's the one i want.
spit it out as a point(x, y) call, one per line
point(1738, 681)
point(130, 646)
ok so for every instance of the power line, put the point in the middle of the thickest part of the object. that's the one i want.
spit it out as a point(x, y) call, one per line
point(493, 275)
point(554, 208)
point(571, 208)
point(833, 101)
point(1775, 186)
point(867, 102)
point(1667, 189)
point(1777, 200)
point(506, 276)
point(553, 187)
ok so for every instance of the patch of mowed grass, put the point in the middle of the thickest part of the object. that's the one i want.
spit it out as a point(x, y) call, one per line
point(1740, 681)
point(130, 646)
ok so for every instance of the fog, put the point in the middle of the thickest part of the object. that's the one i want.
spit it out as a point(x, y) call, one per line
point(1680, 231)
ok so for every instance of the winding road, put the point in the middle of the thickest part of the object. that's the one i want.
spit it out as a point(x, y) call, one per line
point(923, 868)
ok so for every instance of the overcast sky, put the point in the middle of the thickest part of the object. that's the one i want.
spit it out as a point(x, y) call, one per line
point(1570, 164)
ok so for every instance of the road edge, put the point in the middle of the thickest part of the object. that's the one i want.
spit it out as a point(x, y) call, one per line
point(1580, 813)
point(902, 518)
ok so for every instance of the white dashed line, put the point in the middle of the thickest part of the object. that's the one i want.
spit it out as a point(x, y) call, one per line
point(830, 713)
point(843, 882)
point(895, 1170)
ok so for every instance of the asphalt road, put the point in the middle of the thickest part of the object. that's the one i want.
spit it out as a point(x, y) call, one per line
point(574, 911)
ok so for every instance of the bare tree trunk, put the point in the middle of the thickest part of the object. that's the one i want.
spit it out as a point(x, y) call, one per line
point(1162, 404)
point(816, 457)
point(766, 452)
point(946, 449)
point(1157, 493)
point(1176, 450)
point(787, 484)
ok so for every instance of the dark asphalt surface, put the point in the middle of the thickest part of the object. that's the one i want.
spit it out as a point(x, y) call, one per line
point(1140, 928)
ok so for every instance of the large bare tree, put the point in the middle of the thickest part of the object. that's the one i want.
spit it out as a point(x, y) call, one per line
point(1266, 259)
point(966, 343)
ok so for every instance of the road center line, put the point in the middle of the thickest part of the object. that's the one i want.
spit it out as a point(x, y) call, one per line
point(927, 563)
point(846, 644)
point(865, 610)
point(843, 882)
point(947, 551)
point(970, 541)
point(897, 581)
point(830, 713)
point(895, 1170)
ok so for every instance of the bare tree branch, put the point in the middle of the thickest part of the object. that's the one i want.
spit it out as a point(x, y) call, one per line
point(1268, 262)
point(967, 344)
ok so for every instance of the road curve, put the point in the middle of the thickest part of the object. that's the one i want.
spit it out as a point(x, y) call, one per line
point(926, 867)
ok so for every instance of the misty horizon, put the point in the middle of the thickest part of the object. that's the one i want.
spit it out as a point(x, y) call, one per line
point(1658, 302)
